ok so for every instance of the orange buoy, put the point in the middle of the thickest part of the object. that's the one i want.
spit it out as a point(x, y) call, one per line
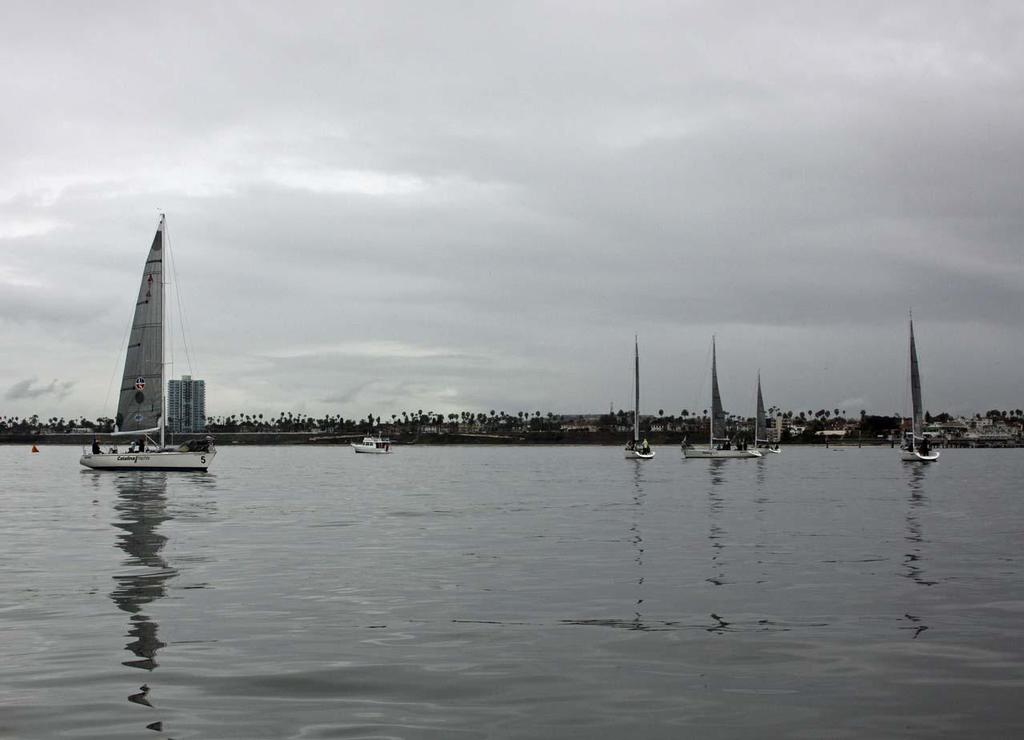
point(35, 449)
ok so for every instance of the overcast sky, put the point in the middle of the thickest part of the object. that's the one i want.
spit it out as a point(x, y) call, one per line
point(470, 206)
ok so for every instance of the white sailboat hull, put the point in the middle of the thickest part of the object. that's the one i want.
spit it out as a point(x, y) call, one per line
point(156, 460)
point(707, 454)
point(914, 456)
point(637, 455)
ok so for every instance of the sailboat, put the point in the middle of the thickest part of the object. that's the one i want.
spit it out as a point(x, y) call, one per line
point(761, 426)
point(719, 444)
point(916, 447)
point(141, 404)
point(635, 448)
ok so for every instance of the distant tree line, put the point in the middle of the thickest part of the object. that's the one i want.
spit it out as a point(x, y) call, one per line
point(810, 421)
point(405, 421)
point(54, 424)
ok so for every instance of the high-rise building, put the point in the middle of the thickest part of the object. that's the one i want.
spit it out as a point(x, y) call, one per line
point(186, 405)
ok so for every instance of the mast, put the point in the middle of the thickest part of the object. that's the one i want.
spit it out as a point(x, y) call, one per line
point(636, 387)
point(163, 337)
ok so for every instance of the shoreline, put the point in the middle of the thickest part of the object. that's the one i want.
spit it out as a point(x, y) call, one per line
point(526, 439)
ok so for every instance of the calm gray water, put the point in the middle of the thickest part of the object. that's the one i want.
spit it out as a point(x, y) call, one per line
point(473, 592)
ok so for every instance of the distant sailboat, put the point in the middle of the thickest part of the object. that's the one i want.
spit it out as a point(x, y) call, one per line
point(637, 449)
point(719, 444)
point(761, 426)
point(141, 405)
point(916, 447)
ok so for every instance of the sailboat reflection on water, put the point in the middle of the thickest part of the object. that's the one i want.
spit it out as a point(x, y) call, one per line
point(141, 508)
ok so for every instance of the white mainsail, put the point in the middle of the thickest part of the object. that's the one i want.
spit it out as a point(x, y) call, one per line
point(140, 405)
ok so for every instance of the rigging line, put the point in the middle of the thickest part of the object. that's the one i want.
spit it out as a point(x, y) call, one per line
point(169, 325)
point(181, 314)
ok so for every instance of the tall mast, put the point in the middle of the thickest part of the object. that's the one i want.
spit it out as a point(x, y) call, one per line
point(163, 332)
point(636, 386)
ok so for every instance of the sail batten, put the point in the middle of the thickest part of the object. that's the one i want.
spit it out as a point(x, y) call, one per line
point(140, 404)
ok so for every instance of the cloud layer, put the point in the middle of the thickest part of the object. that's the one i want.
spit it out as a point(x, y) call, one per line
point(471, 207)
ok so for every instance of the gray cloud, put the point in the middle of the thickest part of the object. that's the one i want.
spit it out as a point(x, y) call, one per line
point(509, 193)
point(25, 389)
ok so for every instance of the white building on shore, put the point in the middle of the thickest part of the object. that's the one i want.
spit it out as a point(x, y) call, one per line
point(186, 405)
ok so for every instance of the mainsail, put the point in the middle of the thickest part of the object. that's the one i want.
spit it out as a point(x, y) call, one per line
point(140, 405)
point(760, 428)
point(717, 413)
point(915, 387)
point(636, 387)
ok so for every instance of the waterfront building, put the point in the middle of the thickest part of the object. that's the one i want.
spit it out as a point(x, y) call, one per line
point(186, 405)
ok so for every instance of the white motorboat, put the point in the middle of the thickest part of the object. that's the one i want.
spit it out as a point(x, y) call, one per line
point(141, 405)
point(637, 449)
point(720, 446)
point(373, 446)
point(916, 447)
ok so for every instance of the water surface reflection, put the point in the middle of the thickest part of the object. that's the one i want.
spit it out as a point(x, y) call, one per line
point(913, 559)
point(716, 533)
point(141, 507)
point(637, 539)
